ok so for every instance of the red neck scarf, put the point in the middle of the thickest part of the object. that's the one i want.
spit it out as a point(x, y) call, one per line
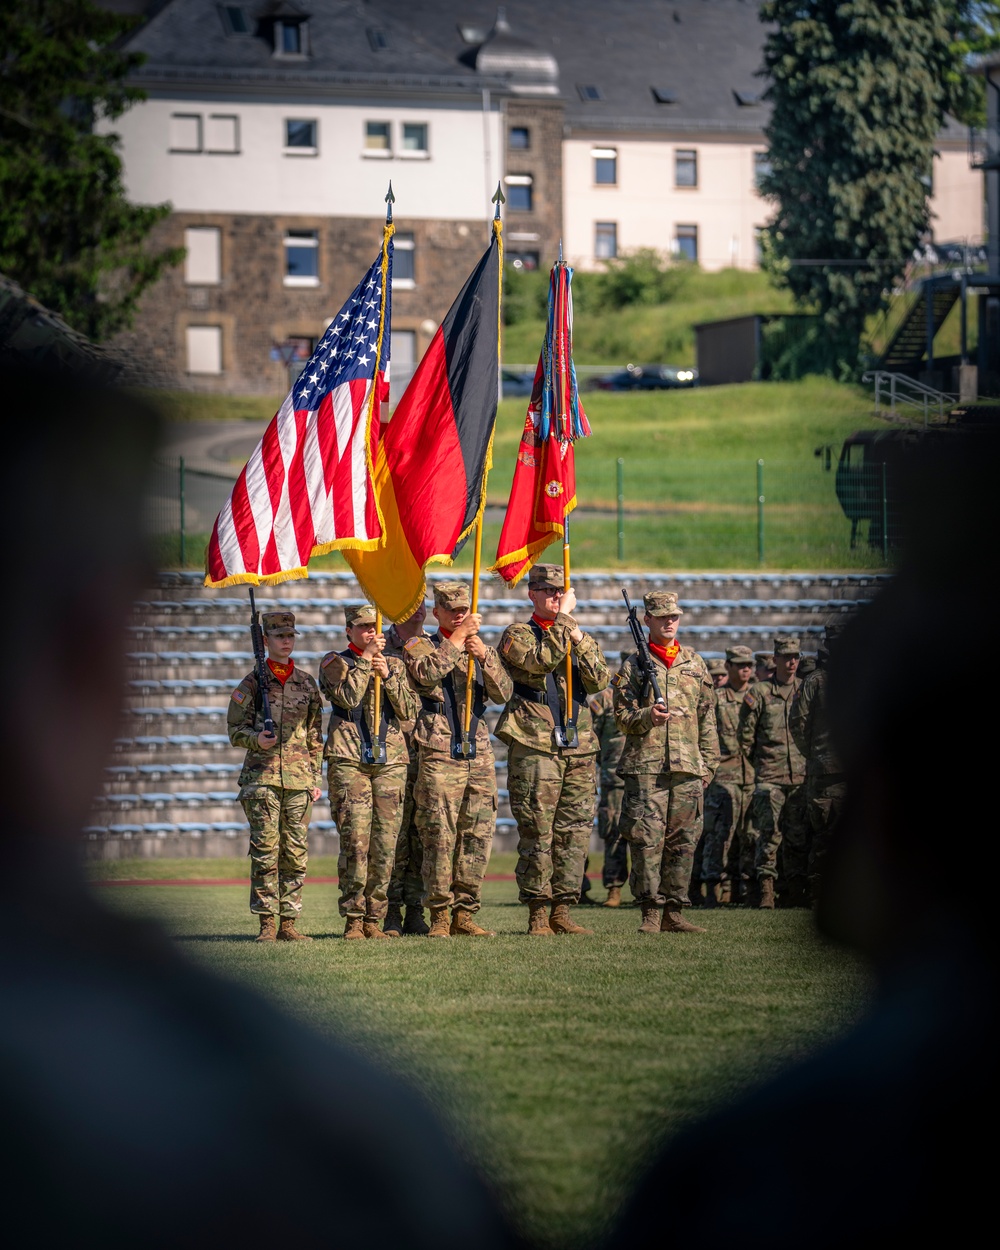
point(356, 650)
point(445, 633)
point(666, 655)
point(540, 623)
point(281, 671)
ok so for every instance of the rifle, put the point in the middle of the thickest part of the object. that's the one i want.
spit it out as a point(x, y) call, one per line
point(642, 647)
point(257, 638)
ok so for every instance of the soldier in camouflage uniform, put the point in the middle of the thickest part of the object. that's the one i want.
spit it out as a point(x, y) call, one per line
point(281, 778)
point(406, 885)
point(807, 666)
point(718, 672)
point(764, 661)
point(612, 790)
point(552, 787)
point(671, 752)
point(727, 799)
point(455, 798)
point(825, 786)
point(366, 798)
point(779, 771)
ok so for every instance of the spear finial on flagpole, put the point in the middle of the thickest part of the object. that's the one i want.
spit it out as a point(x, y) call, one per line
point(560, 252)
point(390, 199)
point(498, 199)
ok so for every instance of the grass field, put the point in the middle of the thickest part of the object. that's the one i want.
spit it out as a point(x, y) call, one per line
point(557, 1064)
point(690, 477)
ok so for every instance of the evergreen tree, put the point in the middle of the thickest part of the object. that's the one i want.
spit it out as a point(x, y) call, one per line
point(67, 233)
point(859, 89)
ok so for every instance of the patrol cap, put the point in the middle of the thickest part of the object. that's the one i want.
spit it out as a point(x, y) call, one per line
point(662, 603)
point(739, 655)
point(363, 615)
point(545, 575)
point(787, 644)
point(278, 622)
point(764, 657)
point(716, 667)
point(451, 595)
point(831, 635)
point(807, 665)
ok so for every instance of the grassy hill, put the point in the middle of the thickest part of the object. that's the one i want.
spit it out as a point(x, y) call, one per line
point(660, 333)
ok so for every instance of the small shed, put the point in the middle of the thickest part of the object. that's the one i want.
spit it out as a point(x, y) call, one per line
point(744, 349)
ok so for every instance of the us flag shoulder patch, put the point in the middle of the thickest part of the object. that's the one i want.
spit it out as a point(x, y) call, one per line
point(749, 700)
point(328, 659)
point(508, 642)
point(239, 695)
point(616, 681)
point(412, 642)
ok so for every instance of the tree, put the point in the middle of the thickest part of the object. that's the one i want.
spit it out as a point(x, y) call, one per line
point(67, 232)
point(859, 90)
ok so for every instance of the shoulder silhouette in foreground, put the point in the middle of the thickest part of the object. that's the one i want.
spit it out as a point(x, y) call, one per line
point(144, 1101)
point(875, 1139)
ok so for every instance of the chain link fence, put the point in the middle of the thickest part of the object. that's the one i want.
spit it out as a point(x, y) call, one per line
point(815, 513)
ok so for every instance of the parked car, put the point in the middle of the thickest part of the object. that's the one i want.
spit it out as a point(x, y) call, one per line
point(514, 384)
point(647, 378)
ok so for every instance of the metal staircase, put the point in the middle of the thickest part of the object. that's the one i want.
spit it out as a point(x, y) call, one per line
point(908, 344)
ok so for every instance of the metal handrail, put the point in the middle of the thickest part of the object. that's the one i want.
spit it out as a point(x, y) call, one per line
point(902, 389)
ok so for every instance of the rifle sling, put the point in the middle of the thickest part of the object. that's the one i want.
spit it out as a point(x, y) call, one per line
point(552, 689)
point(357, 714)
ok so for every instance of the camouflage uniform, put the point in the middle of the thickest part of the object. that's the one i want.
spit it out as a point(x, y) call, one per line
point(275, 784)
point(779, 770)
point(406, 886)
point(552, 789)
point(612, 789)
point(728, 798)
point(665, 767)
point(455, 799)
point(366, 799)
point(825, 785)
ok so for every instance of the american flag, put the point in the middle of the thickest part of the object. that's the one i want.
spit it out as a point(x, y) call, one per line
point(307, 487)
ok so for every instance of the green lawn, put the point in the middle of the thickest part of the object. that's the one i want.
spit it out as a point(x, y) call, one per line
point(690, 478)
point(557, 1063)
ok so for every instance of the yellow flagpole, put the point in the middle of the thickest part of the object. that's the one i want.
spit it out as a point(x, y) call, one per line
point(477, 551)
point(377, 717)
point(569, 649)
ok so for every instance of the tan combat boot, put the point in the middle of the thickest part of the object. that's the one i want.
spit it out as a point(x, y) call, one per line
point(370, 929)
point(288, 933)
point(266, 933)
point(462, 925)
point(673, 922)
point(650, 918)
point(393, 926)
point(415, 924)
point(354, 928)
point(725, 892)
point(614, 898)
point(560, 922)
point(538, 920)
point(440, 927)
point(766, 893)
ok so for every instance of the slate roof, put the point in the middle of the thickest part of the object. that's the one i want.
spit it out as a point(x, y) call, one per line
point(187, 41)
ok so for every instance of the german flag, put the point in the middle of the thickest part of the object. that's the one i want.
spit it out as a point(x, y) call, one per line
point(435, 453)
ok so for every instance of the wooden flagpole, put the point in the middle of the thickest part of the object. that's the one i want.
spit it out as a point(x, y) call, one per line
point(470, 681)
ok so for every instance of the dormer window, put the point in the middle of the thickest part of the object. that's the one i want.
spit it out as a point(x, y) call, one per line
point(289, 38)
point(234, 19)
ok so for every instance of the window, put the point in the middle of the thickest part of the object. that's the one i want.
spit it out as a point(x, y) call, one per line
point(685, 167)
point(378, 40)
point(291, 38)
point(605, 240)
point(523, 262)
point(519, 189)
point(203, 262)
point(222, 133)
point(204, 349)
point(301, 258)
point(377, 139)
point(402, 263)
point(519, 138)
point(414, 139)
point(234, 20)
point(761, 167)
point(185, 132)
point(748, 99)
point(588, 92)
point(605, 166)
point(686, 242)
point(300, 136)
point(662, 95)
point(298, 348)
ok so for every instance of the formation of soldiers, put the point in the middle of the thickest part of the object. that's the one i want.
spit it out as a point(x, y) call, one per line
point(721, 791)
